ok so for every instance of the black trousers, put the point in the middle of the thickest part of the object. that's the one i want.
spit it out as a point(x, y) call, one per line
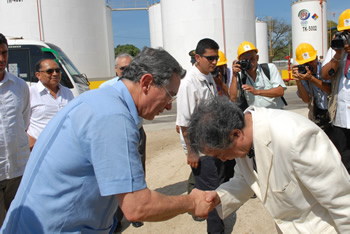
point(341, 139)
point(210, 173)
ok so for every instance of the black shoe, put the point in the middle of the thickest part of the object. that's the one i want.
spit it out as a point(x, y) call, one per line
point(137, 224)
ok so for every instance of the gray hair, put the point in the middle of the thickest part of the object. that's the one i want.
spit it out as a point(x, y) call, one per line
point(212, 123)
point(122, 56)
point(157, 62)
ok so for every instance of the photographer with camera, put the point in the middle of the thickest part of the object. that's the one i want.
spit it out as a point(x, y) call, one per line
point(311, 88)
point(255, 84)
point(336, 68)
point(221, 75)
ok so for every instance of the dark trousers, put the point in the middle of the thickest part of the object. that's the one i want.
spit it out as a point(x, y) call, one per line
point(341, 139)
point(8, 190)
point(210, 173)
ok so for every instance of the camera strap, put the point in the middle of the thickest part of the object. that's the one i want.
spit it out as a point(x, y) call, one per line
point(210, 87)
point(266, 70)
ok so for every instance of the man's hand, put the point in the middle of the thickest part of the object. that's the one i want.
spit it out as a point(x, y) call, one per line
point(235, 67)
point(249, 88)
point(212, 196)
point(347, 48)
point(218, 79)
point(298, 76)
point(204, 202)
point(31, 141)
point(192, 159)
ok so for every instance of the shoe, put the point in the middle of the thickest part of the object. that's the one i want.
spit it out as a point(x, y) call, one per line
point(137, 224)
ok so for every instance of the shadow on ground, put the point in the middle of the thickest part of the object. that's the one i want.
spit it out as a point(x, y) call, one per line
point(174, 189)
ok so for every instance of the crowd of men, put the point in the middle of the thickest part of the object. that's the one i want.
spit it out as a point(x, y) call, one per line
point(67, 164)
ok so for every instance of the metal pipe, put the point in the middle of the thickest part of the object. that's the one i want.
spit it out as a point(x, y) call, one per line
point(41, 31)
point(223, 26)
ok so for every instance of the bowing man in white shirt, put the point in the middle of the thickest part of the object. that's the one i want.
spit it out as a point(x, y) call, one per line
point(47, 97)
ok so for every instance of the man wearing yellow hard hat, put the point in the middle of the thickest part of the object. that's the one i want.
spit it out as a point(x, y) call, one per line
point(311, 88)
point(336, 67)
point(221, 74)
point(259, 84)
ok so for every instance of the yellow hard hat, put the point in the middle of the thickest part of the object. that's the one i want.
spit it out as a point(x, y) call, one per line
point(305, 53)
point(245, 47)
point(222, 59)
point(344, 20)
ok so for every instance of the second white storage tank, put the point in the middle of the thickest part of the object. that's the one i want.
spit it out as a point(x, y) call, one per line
point(228, 22)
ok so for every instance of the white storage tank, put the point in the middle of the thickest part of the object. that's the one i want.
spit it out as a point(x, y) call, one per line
point(155, 25)
point(81, 28)
point(309, 25)
point(262, 41)
point(228, 22)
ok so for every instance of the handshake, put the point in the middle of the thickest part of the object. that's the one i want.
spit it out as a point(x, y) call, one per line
point(204, 202)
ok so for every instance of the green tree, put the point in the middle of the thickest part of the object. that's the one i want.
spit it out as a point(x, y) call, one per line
point(130, 49)
point(280, 38)
point(331, 30)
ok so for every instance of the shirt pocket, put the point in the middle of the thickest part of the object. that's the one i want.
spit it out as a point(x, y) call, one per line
point(293, 196)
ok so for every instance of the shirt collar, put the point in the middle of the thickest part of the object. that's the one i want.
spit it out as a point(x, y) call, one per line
point(201, 76)
point(129, 101)
point(258, 70)
point(7, 77)
point(41, 87)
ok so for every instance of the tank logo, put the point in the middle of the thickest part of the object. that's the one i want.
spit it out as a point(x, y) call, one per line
point(315, 16)
point(11, 1)
point(304, 14)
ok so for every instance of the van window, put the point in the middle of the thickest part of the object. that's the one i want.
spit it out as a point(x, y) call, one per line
point(18, 63)
point(23, 58)
point(72, 70)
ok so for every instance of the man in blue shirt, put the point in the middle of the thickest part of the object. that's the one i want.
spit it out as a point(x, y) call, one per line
point(121, 62)
point(86, 160)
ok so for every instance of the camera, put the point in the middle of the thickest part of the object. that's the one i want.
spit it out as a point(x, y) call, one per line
point(340, 39)
point(245, 64)
point(302, 68)
point(215, 73)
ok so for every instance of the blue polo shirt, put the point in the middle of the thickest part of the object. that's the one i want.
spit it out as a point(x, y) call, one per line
point(85, 155)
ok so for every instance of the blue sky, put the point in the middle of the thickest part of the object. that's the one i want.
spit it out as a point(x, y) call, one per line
point(132, 27)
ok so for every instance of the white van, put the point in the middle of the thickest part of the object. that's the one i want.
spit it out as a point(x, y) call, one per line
point(24, 54)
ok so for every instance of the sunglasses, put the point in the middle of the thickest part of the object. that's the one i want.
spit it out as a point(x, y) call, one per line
point(51, 70)
point(211, 58)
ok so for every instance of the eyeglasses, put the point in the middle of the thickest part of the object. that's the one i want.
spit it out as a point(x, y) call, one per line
point(51, 70)
point(122, 68)
point(172, 98)
point(211, 58)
